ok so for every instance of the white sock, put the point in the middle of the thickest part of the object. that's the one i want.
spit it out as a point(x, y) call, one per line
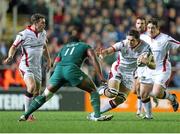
point(139, 106)
point(101, 90)
point(147, 108)
point(108, 106)
point(27, 101)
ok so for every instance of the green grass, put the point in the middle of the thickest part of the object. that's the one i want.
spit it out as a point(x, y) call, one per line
point(76, 122)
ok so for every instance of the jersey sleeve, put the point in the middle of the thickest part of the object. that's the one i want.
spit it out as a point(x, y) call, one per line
point(118, 46)
point(87, 46)
point(20, 37)
point(172, 43)
point(58, 57)
point(150, 54)
point(148, 50)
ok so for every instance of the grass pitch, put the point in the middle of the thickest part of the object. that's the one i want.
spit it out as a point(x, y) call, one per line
point(76, 122)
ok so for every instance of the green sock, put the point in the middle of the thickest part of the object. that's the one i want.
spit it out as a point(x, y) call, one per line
point(95, 102)
point(35, 104)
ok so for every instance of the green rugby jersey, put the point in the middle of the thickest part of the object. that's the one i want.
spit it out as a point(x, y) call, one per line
point(73, 53)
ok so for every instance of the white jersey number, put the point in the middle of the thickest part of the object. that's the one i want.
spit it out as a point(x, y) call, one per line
point(69, 51)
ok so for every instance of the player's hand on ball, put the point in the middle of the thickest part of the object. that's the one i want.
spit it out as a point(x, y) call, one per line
point(142, 59)
point(101, 57)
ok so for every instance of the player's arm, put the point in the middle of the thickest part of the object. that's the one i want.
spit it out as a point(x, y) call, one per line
point(16, 44)
point(93, 59)
point(47, 56)
point(173, 44)
point(57, 59)
point(11, 54)
point(106, 52)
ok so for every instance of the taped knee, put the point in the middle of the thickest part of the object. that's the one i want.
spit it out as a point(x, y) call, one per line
point(110, 92)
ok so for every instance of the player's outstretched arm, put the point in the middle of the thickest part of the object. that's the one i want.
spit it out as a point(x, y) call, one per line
point(93, 59)
point(105, 52)
point(11, 54)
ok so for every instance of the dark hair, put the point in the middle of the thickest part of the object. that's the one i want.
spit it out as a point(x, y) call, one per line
point(134, 33)
point(154, 21)
point(141, 18)
point(74, 34)
point(36, 17)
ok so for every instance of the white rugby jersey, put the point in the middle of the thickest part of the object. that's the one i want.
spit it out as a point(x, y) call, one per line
point(142, 35)
point(160, 46)
point(31, 44)
point(127, 57)
point(141, 69)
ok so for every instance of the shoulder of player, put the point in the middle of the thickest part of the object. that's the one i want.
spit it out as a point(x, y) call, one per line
point(27, 31)
point(123, 43)
point(163, 35)
point(163, 38)
point(22, 33)
point(144, 37)
point(44, 32)
point(85, 44)
point(144, 43)
point(76, 44)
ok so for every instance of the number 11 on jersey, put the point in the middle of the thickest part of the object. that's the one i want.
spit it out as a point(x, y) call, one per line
point(69, 51)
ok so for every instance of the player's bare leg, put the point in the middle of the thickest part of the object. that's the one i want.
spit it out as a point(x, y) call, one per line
point(156, 101)
point(36, 93)
point(38, 101)
point(145, 90)
point(31, 87)
point(136, 90)
point(118, 99)
point(161, 93)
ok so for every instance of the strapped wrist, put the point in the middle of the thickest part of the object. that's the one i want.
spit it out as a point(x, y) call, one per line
point(10, 57)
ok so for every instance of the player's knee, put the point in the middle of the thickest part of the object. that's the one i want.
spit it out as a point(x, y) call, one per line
point(48, 94)
point(145, 100)
point(144, 95)
point(31, 87)
point(110, 92)
point(156, 93)
point(134, 91)
point(36, 93)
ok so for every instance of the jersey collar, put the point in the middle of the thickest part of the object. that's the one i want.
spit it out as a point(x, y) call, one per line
point(156, 36)
point(136, 45)
point(29, 27)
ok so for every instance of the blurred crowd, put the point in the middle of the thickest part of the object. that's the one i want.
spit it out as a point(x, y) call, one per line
point(101, 22)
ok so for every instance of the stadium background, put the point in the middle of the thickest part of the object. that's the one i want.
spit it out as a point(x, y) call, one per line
point(102, 22)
